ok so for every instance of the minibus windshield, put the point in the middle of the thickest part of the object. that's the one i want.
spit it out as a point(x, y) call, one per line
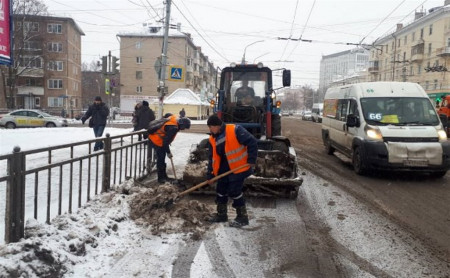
point(399, 111)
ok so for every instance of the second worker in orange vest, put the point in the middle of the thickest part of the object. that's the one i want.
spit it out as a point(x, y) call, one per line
point(161, 140)
point(230, 146)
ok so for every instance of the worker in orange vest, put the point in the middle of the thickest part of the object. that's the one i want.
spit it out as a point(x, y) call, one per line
point(230, 146)
point(162, 139)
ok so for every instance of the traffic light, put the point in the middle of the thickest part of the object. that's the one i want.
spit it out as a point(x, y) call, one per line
point(104, 64)
point(107, 86)
point(115, 64)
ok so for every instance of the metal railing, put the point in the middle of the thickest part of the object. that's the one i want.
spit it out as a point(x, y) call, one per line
point(47, 182)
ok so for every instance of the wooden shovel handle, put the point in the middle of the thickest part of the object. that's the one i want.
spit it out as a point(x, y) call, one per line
point(213, 179)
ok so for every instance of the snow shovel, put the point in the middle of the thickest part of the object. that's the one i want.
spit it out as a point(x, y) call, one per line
point(170, 202)
point(173, 168)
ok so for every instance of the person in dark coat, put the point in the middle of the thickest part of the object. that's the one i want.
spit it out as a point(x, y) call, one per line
point(98, 112)
point(162, 139)
point(182, 113)
point(230, 147)
point(144, 115)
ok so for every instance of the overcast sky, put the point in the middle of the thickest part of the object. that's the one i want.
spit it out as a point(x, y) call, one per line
point(224, 29)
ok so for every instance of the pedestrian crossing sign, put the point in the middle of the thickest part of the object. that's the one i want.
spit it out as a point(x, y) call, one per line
point(176, 73)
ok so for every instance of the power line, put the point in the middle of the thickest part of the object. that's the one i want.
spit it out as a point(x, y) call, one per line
point(292, 28)
point(199, 32)
point(304, 27)
point(382, 21)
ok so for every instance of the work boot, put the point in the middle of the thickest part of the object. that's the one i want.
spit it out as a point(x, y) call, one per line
point(221, 215)
point(167, 178)
point(161, 175)
point(241, 218)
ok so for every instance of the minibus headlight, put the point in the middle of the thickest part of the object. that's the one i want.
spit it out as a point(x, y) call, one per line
point(442, 135)
point(373, 133)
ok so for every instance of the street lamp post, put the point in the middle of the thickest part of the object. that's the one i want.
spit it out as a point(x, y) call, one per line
point(245, 49)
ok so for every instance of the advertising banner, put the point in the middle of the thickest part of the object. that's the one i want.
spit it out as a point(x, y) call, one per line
point(5, 32)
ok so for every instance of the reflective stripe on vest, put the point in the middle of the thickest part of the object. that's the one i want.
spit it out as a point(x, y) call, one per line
point(158, 137)
point(236, 152)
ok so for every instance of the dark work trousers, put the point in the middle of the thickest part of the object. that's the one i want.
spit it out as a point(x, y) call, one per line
point(98, 132)
point(160, 157)
point(230, 187)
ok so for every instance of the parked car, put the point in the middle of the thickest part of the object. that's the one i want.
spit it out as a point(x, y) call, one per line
point(307, 116)
point(31, 118)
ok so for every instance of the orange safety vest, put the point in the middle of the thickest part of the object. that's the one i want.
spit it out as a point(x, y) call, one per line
point(158, 137)
point(235, 152)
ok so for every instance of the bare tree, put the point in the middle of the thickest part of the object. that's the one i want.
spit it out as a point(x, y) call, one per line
point(92, 66)
point(23, 38)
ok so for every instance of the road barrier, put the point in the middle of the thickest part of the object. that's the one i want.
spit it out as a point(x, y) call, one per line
point(46, 182)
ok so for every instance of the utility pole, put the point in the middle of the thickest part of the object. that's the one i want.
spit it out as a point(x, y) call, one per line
point(162, 76)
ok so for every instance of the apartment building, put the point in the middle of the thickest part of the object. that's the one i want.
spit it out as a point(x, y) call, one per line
point(47, 56)
point(342, 68)
point(140, 55)
point(418, 52)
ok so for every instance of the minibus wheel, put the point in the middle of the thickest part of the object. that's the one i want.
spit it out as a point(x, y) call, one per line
point(359, 163)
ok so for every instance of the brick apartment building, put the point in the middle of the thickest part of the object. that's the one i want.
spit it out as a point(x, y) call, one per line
point(47, 55)
point(139, 56)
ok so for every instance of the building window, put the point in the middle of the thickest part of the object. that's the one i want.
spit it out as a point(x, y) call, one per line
point(421, 33)
point(413, 36)
point(138, 60)
point(55, 102)
point(398, 42)
point(448, 42)
point(387, 49)
point(138, 45)
point(138, 74)
point(404, 56)
point(431, 29)
point(427, 85)
point(411, 70)
point(419, 69)
point(55, 47)
point(405, 40)
point(31, 45)
point(54, 28)
point(31, 26)
point(429, 49)
point(139, 89)
point(37, 101)
point(436, 84)
point(55, 66)
point(55, 84)
point(30, 82)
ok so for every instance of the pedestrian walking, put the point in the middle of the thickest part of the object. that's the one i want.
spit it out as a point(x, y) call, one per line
point(134, 115)
point(182, 113)
point(230, 146)
point(144, 115)
point(98, 113)
point(161, 140)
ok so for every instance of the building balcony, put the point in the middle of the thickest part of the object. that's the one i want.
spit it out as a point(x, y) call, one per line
point(443, 51)
point(374, 69)
point(31, 72)
point(417, 57)
point(30, 90)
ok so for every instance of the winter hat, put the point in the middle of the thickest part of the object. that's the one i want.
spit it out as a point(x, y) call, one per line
point(184, 123)
point(214, 120)
point(97, 98)
point(145, 103)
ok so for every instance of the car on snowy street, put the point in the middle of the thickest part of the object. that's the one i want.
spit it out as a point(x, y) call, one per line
point(31, 118)
point(307, 116)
